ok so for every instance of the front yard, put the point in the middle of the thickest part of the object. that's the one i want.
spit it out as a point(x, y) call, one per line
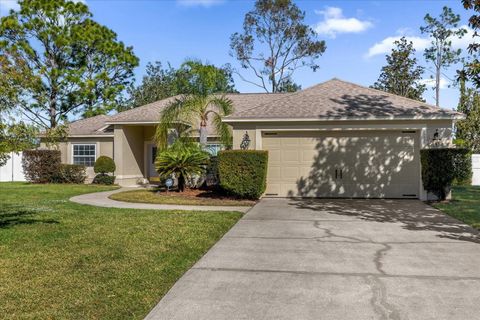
point(63, 260)
point(465, 205)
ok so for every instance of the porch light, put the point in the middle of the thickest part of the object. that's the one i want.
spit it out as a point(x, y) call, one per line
point(245, 141)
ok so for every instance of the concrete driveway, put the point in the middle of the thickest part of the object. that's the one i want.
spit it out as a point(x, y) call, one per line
point(334, 259)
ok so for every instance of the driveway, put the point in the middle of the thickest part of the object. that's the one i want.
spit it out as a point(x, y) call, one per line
point(334, 259)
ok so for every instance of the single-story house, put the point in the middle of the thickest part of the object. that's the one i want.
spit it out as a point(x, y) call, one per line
point(335, 139)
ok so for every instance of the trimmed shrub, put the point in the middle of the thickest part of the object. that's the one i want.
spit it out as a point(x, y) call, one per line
point(441, 167)
point(104, 179)
point(243, 173)
point(72, 173)
point(104, 165)
point(41, 166)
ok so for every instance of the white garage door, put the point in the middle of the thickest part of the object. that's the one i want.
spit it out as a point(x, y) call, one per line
point(363, 164)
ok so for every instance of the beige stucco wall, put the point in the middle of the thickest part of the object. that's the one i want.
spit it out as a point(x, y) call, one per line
point(104, 147)
point(427, 127)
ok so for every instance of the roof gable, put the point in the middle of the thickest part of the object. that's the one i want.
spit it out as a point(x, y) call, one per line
point(337, 99)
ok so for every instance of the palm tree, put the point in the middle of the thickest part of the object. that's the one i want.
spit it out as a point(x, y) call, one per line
point(195, 111)
point(184, 160)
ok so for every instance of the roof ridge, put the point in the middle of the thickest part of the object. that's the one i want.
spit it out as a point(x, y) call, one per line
point(388, 93)
point(89, 118)
point(287, 95)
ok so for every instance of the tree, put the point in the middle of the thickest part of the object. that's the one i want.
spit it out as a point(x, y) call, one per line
point(193, 77)
point(274, 43)
point(468, 130)
point(15, 137)
point(473, 66)
point(195, 112)
point(441, 30)
point(183, 161)
point(69, 64)
point(402, 74)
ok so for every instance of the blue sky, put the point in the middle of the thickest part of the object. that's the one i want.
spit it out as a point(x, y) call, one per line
point(357, 34)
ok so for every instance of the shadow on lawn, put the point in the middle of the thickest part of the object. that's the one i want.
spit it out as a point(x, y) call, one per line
point(413, 215)
point(13, 215)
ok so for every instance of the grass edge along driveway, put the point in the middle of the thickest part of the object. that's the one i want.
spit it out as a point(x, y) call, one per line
point(464, 206)
point(62, 260)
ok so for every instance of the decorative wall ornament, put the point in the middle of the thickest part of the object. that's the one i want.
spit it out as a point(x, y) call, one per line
point(245, 141)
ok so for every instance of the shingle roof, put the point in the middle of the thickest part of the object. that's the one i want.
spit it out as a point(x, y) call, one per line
point(337, 99)
point(150, 113)
point(89, 126)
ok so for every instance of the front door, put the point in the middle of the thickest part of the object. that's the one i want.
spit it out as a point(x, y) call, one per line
point(152, 154)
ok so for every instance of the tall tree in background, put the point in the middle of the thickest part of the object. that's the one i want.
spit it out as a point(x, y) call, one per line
point(441, 54)
point(402, 74)
point(274, 43)
point(193, 77)
point(473, 66)
point(468, 130)
point(69, 64)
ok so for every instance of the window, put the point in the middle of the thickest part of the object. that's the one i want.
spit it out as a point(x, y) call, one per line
point(84, 154)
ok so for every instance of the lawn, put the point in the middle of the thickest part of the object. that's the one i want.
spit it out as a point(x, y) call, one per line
point(465, 205)
point(61, 260)
point(189, 197)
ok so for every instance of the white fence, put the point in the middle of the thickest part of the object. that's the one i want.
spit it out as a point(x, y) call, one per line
point(12, 170)
point(476, 169)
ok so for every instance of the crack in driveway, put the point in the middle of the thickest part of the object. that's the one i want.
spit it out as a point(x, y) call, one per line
point(385, 310)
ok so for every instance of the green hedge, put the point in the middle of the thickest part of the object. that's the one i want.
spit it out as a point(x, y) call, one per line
point(103, 179)
point(441, 167)
point(104, 165)
point(71, 173)
point(41, 166)
point(243, 173)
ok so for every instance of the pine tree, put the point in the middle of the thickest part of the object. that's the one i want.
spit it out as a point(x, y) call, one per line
point(402, 74)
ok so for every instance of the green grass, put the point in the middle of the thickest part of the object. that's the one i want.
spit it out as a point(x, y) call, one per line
point(204, 199)
point(465, 205)
point(61, 260)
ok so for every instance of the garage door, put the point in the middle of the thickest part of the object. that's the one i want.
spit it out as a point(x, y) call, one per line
point(358, 164)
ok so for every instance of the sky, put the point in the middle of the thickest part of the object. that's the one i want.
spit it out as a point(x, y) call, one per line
point(358, 34)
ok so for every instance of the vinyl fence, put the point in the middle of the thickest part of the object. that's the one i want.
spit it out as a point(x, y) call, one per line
point(476, 169)
point(12, 170)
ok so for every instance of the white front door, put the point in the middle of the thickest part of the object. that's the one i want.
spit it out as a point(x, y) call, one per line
point(151, 155)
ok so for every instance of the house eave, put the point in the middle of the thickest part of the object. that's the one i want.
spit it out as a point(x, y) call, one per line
point(453, 117)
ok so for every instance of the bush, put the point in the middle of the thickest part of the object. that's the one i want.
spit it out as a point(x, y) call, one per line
point(243, 173)
point(441, 167)
point(71, 173)
point(104, 165)
point(41, 166)
point(104, 179)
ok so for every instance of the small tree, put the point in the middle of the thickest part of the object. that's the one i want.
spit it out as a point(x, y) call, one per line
point(104, 165)
point(468, 130)
point(183, 161)
point(401, 75)
point(473, 66)
point(274, 43)
point(441, 30)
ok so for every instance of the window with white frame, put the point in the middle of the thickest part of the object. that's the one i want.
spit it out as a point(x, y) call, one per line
point(84, 154)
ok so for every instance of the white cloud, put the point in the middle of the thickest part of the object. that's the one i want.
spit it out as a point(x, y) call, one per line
point(419, 43)
point(430, 83)
point(386, 45)
point(199, 3)
point(335, 23)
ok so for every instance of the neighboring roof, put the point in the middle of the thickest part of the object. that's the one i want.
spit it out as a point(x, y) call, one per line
point(337, 99)
point(89, 127)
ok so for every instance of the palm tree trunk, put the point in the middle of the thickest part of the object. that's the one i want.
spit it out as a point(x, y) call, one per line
point(203, 135)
